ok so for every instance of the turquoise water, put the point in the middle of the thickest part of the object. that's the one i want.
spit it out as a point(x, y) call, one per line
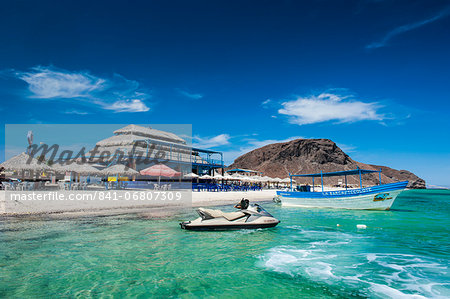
point(402, 252)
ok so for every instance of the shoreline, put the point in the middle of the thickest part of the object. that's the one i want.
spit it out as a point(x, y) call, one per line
point(64, 209)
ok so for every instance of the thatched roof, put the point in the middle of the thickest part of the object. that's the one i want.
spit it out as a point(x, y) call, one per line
point(119, 169)
point(84, 169)
point(24, 162)
point(128, 139)
point(149, 133)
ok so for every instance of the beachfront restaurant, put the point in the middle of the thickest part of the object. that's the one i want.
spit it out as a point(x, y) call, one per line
point(134, 157)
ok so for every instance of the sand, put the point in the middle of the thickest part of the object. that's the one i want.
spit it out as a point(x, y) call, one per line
point(72, 208)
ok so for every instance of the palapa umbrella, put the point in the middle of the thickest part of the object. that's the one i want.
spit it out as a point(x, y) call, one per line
point(119, 169)
point(83, 169)
point(24, 162)
point(74, 167)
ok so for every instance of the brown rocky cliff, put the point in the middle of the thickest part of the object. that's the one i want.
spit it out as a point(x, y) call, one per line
point(315, 155)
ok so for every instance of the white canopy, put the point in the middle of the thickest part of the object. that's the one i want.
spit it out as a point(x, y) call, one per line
point(190, 175)
point(266, 179)
point(228, 177)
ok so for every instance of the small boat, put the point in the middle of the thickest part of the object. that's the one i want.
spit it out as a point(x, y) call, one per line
point(248, 217)
point(380, 197)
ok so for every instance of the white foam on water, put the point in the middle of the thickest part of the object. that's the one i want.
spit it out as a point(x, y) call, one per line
point(321, 269)
point(328, 243)
point(336, 258)
point(391, 292)
point(280, 258)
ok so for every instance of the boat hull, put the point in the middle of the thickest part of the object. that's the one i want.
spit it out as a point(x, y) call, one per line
point(373, 198)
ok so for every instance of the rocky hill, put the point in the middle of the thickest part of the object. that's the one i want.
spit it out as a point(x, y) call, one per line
point(315, 155)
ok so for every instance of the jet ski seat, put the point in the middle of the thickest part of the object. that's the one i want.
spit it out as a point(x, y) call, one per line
point(210, 213)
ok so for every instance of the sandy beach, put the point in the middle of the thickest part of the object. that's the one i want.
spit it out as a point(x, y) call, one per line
point(190, 200)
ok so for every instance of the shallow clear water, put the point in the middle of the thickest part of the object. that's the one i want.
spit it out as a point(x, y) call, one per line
point(402, 252)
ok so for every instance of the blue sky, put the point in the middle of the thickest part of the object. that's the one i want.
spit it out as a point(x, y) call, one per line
point(372, 76)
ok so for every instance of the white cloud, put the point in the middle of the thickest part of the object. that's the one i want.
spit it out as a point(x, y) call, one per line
point(266, 102)
point(408, 27)
point(346, 147)
point(329, 106)
point(115, 93)
point(222, 139)
point(128, 106)
point(48, 83)
point(77, 112)
point(194, 96)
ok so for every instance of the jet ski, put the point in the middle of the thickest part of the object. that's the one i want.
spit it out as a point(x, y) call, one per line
point(248, 217)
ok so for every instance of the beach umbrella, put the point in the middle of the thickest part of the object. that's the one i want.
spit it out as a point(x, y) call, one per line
point(256, 178)
point(247, 179)
point(190, 175)
point(218, 177)
point(228, 177)
point(83, 169)
point(239, 177)
point(286, 180)
point(119, 169)
point(206, 177)
point(160, 170)
point(24, 162)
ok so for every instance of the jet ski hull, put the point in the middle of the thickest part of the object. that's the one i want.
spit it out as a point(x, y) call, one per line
point(219, 227)
point(253, 217)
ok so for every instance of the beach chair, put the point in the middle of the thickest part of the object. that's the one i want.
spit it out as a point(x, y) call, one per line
point(20, 186)
point(75, 186)
point(6, 186)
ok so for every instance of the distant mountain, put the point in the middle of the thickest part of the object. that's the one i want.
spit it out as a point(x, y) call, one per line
point(315, 155)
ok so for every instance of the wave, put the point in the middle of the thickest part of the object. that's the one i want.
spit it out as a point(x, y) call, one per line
point(338, 260)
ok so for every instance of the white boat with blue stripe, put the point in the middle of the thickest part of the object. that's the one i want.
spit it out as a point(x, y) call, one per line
point(380, 197)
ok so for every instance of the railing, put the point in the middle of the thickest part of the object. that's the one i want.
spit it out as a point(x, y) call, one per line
point(222, 188)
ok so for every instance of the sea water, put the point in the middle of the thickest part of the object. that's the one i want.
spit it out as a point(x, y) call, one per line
point(403, 252)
